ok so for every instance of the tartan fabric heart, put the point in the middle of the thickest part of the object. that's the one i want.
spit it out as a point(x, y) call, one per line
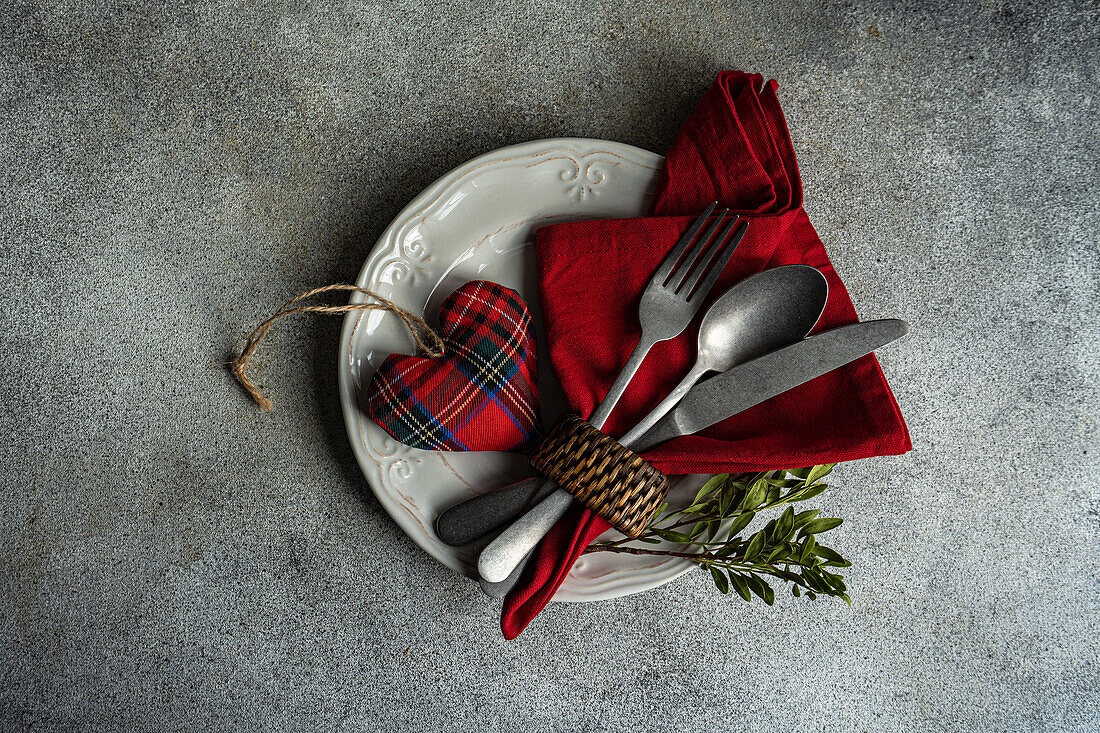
point(482, 394)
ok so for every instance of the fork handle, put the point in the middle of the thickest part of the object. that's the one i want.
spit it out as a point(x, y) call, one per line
point(599, 417)
point(512, 547)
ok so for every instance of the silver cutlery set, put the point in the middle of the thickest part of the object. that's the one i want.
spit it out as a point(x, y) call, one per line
point(754, 336)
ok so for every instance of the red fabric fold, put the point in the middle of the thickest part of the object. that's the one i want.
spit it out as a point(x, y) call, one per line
point(735, 149)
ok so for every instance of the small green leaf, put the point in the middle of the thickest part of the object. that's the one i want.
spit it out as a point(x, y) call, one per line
point(821, 525)
point(740, 523)
point(671, 536)
point(801, 473)
point(755, 496)
point(814, 580)
point(755, 545)
point(831, 556)
point(779, 552)
point(719, 579)
point(698, 529)
point(795, 591)
point(760, 587)
point(812, 491)
point(710, 486)
point(741, 586)
point(807, 553)
point(819, 472)
point(837, 581)
point(787, 575)
point(752, 478)
point(773, 493)
point(725, 501)
point(846, 599)
point(803, 518)
point(784, 528)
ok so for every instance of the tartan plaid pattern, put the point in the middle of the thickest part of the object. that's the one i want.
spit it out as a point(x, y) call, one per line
point(482, 394)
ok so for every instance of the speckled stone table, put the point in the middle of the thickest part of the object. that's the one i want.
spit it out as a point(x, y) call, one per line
point(173, 559)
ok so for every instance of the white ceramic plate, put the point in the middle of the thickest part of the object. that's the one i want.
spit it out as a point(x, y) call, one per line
point(478, 222)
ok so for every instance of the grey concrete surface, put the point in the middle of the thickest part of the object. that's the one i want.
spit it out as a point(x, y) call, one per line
point(174, 560)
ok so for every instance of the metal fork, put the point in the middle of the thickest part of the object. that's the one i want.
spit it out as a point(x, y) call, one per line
point(669, 303)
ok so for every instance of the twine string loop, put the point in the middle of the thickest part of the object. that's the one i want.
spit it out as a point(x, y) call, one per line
point(426, 338)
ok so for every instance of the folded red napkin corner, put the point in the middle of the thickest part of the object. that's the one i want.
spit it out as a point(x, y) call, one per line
point(735, 149)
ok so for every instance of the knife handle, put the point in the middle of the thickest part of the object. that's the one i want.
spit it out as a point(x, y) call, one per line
point(474, 518)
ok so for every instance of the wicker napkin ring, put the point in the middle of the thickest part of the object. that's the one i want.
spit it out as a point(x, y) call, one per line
point(609, 479)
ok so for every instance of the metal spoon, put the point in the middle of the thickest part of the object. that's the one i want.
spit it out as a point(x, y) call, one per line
point(748, 321)
point(758, 315)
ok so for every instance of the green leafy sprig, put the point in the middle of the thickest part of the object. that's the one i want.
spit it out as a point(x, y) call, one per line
point(714, 528)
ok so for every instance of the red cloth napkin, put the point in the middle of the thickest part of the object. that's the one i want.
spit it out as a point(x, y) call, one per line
point(735, 149)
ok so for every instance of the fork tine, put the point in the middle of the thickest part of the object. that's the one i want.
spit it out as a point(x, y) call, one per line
point(719, 261)
point(672, 258)
point(700, 252)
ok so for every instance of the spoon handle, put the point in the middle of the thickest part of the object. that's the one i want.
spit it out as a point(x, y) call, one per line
point(664, 406)
point(504, 587)
point(501, 556)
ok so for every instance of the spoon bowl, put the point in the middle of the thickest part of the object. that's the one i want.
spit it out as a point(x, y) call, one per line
point(758, 315)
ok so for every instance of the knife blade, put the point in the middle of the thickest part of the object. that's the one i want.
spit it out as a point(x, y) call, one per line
point(706, 404)
point(753, 382)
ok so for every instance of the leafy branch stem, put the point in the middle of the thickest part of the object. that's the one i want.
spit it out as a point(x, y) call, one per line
point(723, 509)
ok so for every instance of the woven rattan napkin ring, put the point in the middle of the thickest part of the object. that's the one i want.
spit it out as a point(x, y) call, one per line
point(609, 479)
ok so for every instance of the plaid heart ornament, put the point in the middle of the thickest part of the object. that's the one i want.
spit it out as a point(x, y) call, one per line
point(482, 394)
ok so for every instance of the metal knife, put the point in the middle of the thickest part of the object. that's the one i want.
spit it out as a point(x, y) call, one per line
point(706, 404)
